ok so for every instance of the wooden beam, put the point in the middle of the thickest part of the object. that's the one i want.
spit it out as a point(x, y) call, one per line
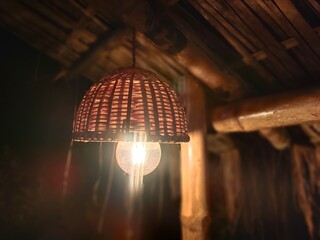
point(105, 42)
point(165, 35)
point(304, 50)
point(231, 34)
point(194, 210)
point(287, 44)
point(201, 66)
point(170, 39)
point(266, 112)
point(298, 21)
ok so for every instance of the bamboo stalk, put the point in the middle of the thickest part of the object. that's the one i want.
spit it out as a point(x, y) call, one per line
point(194, 210)
point(266, 112)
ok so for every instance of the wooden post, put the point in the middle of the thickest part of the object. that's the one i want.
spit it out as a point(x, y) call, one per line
point(194, 210)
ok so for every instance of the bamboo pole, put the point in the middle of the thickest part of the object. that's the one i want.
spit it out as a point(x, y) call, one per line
point(266, 112)
point(194, 210)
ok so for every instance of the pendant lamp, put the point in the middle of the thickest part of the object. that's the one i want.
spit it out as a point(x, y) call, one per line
point(133, 107)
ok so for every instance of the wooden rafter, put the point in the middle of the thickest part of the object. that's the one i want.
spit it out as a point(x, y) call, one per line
point(106, 42)
point(266, 112)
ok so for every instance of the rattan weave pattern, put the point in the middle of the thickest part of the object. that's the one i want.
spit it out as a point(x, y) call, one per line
point(130, 101)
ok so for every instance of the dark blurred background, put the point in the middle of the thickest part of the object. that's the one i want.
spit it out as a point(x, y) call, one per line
point(36, 125)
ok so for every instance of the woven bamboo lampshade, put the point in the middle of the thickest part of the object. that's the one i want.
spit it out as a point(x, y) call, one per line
point(130, 101)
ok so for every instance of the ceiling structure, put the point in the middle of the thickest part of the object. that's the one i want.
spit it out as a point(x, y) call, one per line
point(238, 48)
point(69, 31)
point(244, 51)
point(273, 37)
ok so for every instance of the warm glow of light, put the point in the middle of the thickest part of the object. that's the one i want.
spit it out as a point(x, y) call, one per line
point(138, 158)
point(138, 153)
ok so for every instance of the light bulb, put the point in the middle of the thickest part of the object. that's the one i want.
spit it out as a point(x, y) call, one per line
point(138, 158)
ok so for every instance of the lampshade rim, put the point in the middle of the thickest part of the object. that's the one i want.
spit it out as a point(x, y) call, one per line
point(126, 137)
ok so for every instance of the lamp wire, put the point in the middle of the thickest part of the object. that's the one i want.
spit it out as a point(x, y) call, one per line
point(107, 192)
point(134, 41)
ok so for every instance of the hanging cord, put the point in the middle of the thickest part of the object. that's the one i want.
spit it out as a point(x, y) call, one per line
point(134, 42)
point(97, 183)
point(66, 172)
point(107, 193)
point(161, 191)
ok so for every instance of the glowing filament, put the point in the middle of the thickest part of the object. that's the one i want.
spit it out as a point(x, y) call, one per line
point(138, 158)
point(138, 153)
